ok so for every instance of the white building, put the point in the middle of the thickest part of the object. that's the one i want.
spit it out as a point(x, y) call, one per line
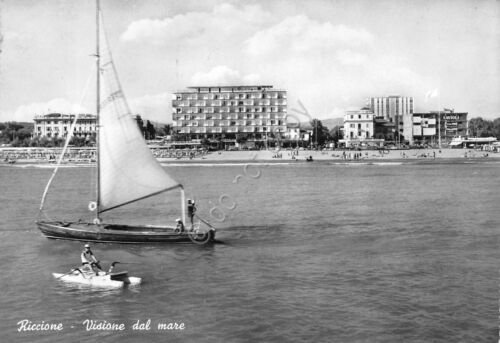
point(57, 125)
point(227, 111)
point(391, 106)
point(292, 131)
point(359, 125)
point(424, 126)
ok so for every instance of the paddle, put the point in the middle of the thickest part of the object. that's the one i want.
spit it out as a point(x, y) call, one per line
point(122, 262)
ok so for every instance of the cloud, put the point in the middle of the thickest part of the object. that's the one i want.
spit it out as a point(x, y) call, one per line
point(222, 76)
point(326, 64)
point(300, 34)
point(58, 105)
point(348, 57)
point(222, 23)
point(154, 107)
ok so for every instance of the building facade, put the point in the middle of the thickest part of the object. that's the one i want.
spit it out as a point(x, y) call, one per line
point(396, 109)
point(230, 112)
point(359, 125)
point(384, 129)
point(391, 106)
point(424, 128)
point(57, 125)
point(452, 124)
point(439, 126)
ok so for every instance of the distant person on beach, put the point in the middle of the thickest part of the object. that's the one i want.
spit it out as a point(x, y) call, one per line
point(89, 260)
point(191, 208)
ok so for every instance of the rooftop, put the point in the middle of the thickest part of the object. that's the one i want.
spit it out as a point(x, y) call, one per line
point(235, 88)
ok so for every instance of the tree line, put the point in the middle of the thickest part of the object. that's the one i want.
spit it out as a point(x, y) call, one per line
point(20, 134)
point(479, 127)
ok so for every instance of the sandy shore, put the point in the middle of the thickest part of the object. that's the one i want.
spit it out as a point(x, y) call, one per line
point(283, 156)
point(337, 155)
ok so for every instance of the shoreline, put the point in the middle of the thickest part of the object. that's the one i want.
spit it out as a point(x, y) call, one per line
point(285, 156)
point(411, 156)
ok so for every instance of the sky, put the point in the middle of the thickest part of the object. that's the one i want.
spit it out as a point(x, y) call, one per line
point(330, 55)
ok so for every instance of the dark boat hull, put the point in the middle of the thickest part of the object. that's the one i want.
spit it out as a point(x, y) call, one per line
point(118, 233)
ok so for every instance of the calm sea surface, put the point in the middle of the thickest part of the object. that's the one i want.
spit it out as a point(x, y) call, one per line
point(315, 252)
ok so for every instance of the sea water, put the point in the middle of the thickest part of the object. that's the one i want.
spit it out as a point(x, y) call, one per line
point(312, 252)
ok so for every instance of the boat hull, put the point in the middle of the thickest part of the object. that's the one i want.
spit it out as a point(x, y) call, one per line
point(100, 281)
point(116, 233)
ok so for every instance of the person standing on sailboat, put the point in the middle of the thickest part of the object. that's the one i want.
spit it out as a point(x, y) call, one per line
point(191, 208)
point(89, 260)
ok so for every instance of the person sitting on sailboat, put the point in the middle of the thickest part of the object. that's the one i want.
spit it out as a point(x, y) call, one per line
point(180, 225)
point(90, 261)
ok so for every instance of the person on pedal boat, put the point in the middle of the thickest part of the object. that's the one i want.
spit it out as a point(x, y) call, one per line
point(90, 261)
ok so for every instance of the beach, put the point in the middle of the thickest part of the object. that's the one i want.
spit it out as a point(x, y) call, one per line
point(338, 155)
point(24, 156)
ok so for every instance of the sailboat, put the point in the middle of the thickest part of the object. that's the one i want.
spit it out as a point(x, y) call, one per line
point(127, 171)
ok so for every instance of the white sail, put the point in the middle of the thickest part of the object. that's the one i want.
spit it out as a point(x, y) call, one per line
point(127, 169)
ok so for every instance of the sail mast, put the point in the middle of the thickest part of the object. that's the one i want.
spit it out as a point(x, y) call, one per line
point(126, 169)
point(98, 108)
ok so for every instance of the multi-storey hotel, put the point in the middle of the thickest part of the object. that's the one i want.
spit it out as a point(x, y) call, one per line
point(230, 112)
point(57, 125)
point(396, 109)
point(391, 106)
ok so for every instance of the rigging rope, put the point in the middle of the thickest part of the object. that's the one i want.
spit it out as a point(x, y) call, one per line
point(68, 138)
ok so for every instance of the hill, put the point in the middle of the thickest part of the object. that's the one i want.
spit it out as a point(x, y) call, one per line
point(329, 123)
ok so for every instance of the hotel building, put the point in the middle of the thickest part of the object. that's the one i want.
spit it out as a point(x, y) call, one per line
point(358, 125)
point(57, 125)
point(229, 112)
point(360, 128)
point(435, 126)
point(391, 106)
point(396, 109)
